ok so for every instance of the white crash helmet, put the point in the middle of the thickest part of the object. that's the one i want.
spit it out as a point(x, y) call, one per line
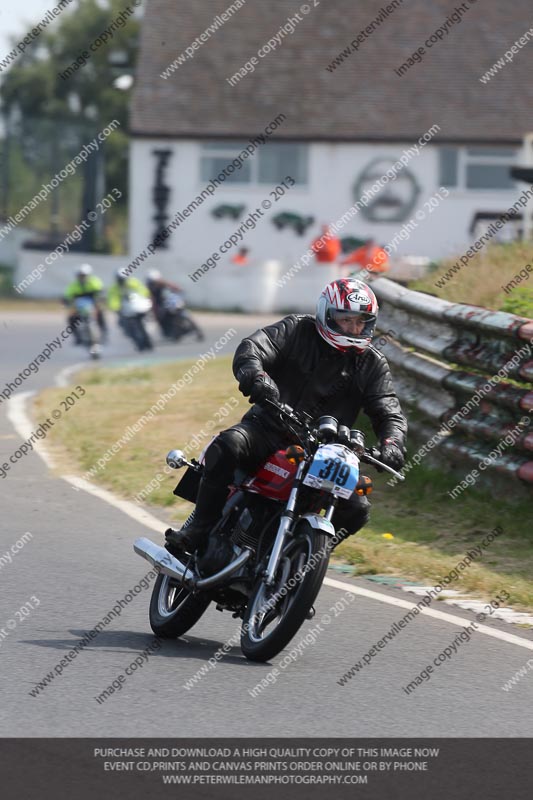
point(343, 298)
point(84, 269)
point(153, 275)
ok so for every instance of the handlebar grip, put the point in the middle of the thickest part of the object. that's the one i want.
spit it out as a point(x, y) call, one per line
point(372, 452)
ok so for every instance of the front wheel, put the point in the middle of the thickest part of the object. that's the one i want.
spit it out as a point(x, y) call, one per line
point(275, 614)
point(174, 609)
point(137, 332)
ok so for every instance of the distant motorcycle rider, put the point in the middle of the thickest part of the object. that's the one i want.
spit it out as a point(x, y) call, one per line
point(131, 300)
point(171, 317)
point(158, 286)
point(321, 365)
point(124, 285)
point(86, 284)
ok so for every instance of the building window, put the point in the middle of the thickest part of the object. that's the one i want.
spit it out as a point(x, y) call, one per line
point(217, 155)
point(448, 166)
point(488, 167)
point(269, 164)
point(277, 160)
point(478, 168)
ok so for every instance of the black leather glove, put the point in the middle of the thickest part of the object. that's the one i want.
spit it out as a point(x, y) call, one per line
point(264, 388)
point(246, 378)
point(392, 454)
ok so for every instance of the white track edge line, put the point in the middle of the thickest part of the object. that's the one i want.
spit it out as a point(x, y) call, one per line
point(22, 423)
point(19, 418)
point(62, 378)
point(430, 612)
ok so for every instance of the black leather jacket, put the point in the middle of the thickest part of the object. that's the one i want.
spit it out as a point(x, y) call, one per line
point(313, 376)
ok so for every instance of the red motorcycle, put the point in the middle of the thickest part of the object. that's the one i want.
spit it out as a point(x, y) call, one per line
point(266, 559)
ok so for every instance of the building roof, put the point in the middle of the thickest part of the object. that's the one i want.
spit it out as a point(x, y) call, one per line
point(363, 99)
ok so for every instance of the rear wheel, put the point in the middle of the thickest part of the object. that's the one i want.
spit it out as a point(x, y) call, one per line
point(173, 327)
point(275, 614)
point(174, 609)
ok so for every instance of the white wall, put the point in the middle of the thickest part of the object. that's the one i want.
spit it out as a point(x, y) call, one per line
point(333, 172)
point(233, 288)
point(56, 278)
point(10, 244)
point(334, 169)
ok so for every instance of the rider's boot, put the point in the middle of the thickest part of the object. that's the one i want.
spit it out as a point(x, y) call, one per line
point(209, 504)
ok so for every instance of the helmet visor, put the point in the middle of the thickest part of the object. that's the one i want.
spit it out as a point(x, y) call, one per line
point(339, 314)
point(350, 323)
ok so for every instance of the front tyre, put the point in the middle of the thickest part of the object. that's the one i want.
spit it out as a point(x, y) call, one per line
point(174, 609)
point(134, 328)
point(275, 614)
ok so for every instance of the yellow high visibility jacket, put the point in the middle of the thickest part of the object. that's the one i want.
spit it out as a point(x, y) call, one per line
point(115, 293)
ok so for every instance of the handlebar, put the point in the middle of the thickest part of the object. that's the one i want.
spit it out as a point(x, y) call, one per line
point(299, 417)
point(371, 455)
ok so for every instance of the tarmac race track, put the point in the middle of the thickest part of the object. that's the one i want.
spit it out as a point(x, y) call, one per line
point(79, 563)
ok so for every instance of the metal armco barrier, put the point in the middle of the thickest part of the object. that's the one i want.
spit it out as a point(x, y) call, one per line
point(445, 360)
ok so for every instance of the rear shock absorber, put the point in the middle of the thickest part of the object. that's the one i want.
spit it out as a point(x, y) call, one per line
point(189, 519)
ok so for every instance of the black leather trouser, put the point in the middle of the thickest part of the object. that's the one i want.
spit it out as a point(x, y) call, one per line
point(246, 446)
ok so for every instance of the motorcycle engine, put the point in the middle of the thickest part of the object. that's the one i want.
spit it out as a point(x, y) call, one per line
point(242, 533)
point(217, 554)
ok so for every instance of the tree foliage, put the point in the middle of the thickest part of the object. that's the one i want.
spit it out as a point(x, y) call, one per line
point(43, 106)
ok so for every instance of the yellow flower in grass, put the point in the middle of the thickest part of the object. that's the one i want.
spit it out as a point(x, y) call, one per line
point(387, 535)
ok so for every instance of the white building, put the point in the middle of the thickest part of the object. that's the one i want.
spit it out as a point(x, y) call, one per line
point(334, 131)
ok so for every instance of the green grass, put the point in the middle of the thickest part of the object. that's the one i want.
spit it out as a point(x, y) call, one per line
point(431, 532)
point(481, 282)
point(25, 305)
point(116, 399)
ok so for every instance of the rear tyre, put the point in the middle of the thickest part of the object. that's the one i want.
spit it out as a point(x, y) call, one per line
point(275, 614)
point(173, 609)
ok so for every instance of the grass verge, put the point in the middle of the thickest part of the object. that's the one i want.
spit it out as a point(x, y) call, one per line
point(484, 279)
point(431, 533)
point(25, 305)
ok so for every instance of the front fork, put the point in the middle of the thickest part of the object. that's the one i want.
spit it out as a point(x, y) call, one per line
point(285, 525)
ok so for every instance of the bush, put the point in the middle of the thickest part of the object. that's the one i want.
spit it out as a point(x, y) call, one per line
point(6, 281)
point(519, 302)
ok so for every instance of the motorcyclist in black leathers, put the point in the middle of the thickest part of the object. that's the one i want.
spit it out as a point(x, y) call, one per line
point(177, 321)
point(321, 365)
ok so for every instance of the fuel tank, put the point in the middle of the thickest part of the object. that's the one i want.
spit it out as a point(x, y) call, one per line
point(274, 478)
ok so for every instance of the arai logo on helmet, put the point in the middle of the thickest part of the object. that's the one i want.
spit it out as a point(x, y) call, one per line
point(355, 297)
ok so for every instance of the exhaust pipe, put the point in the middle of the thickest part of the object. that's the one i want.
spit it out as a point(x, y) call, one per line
point(166, 563)
point(220, 577)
